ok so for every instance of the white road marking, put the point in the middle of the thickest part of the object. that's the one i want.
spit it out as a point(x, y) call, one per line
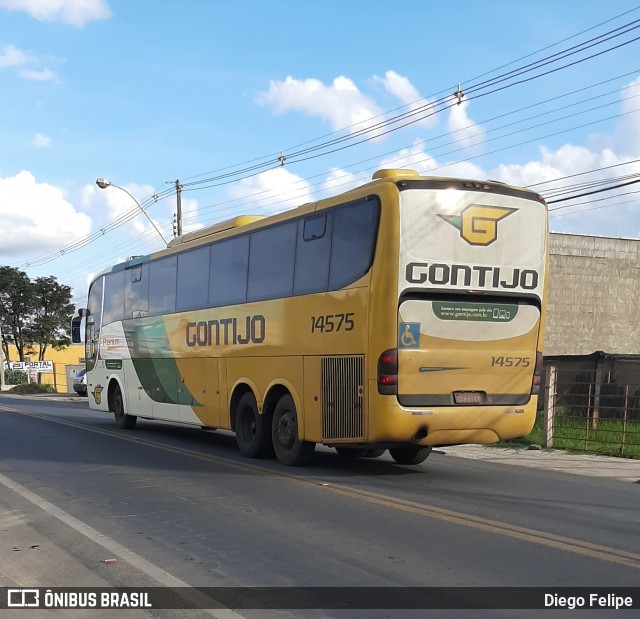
point(150, 569)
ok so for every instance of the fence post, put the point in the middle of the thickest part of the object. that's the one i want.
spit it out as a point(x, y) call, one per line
point(624, 420)
point(596, 398)
point(549, 405)
point(589, 420)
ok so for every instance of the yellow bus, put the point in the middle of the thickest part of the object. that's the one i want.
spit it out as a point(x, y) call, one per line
point(403, 314)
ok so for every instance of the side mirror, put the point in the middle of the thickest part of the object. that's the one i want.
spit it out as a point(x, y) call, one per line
point(76, 331)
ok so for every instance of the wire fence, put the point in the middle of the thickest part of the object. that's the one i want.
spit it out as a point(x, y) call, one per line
point(586, 411)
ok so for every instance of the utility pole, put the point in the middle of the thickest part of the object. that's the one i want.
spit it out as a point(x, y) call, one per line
point(179, 208)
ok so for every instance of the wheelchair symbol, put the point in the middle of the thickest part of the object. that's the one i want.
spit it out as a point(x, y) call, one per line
point(409, 335)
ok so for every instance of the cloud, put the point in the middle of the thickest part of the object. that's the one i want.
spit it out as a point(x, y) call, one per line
point(73, 12)
point(11, 56)
point(339, 180)
point(416, 158)
point(36, 217)
point(272, 191)
point(41, 141)
point(43, 75)
point(627, 135)
point(566, 160)
point(464, 130)
point(340, 103)
point(190, 215)
point(118, 203)
point(403, 90)
point(609, 213)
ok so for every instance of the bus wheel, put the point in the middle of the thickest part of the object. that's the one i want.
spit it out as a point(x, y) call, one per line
point(410, 455)
point(252, 429)
point(352, 452)
point(289, 448)
point(123, 420)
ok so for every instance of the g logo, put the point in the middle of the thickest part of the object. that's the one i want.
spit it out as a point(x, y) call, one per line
point(97, 394)
point(478, 224)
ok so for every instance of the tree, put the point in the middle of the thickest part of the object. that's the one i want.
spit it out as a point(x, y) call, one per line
point(52, 311)
point(34, 313)
point(16, 306)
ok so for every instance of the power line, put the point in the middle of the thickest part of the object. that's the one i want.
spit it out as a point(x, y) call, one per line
point(595, 208)
point(429, 109)
point(595, 191)
point(428, 98)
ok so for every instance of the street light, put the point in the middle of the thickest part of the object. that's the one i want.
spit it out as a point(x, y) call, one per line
point(103, 183)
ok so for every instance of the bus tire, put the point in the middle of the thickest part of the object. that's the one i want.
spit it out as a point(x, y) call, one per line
point(124, 421)
point(413, 454)
point(253, 435)
point(289, 449)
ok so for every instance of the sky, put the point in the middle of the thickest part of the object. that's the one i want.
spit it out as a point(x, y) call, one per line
point(258, 107)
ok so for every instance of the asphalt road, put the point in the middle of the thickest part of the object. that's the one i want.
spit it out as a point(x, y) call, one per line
point(178, 507)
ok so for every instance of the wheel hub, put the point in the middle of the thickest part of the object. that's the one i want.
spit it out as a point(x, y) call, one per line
point(286, 434)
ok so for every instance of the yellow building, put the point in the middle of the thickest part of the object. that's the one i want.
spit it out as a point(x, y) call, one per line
point(65, 365)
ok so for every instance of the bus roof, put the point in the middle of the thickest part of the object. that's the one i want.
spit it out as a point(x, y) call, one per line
point(222, 226)
point(395, 176)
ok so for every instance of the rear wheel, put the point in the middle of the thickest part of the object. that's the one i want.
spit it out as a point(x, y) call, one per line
point(252, 429)
point(127, 422)
point(410, 455)
point(290, 450)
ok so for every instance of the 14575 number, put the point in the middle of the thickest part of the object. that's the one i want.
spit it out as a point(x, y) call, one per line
point(332, 322)
point(509, 362)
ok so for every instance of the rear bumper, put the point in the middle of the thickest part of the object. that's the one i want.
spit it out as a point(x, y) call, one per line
point(447, 425)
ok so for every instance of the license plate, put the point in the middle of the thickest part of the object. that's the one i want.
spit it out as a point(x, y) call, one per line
point(469, 397)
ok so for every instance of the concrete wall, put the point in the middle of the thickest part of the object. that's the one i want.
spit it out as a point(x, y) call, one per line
point(594, 292)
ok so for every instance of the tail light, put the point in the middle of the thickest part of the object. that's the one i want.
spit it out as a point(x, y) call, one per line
point(388, 372)
point(537, 375)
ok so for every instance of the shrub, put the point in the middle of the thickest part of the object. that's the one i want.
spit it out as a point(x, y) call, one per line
point(14, 377)
point(26, 389)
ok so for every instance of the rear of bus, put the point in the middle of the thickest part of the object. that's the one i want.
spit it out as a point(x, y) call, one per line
point(470, 313)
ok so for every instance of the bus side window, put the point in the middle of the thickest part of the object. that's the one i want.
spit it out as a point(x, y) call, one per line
point(162, 286)
point(313, 252)
point(314, 227)
point(113, 297)
point(228, 271)
point(193, 279)
point(355, 230)
point(136, 292)
point(271, 259)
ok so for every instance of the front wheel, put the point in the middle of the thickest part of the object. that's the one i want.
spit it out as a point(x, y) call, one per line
point(290, 450)
point(127, 422)
point(410, 455)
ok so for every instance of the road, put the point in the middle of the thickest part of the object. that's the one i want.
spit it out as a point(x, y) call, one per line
point(179, 506)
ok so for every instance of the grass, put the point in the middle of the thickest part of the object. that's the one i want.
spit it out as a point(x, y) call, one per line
point(576, 434)
point(535, 437)
point(610, 438)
